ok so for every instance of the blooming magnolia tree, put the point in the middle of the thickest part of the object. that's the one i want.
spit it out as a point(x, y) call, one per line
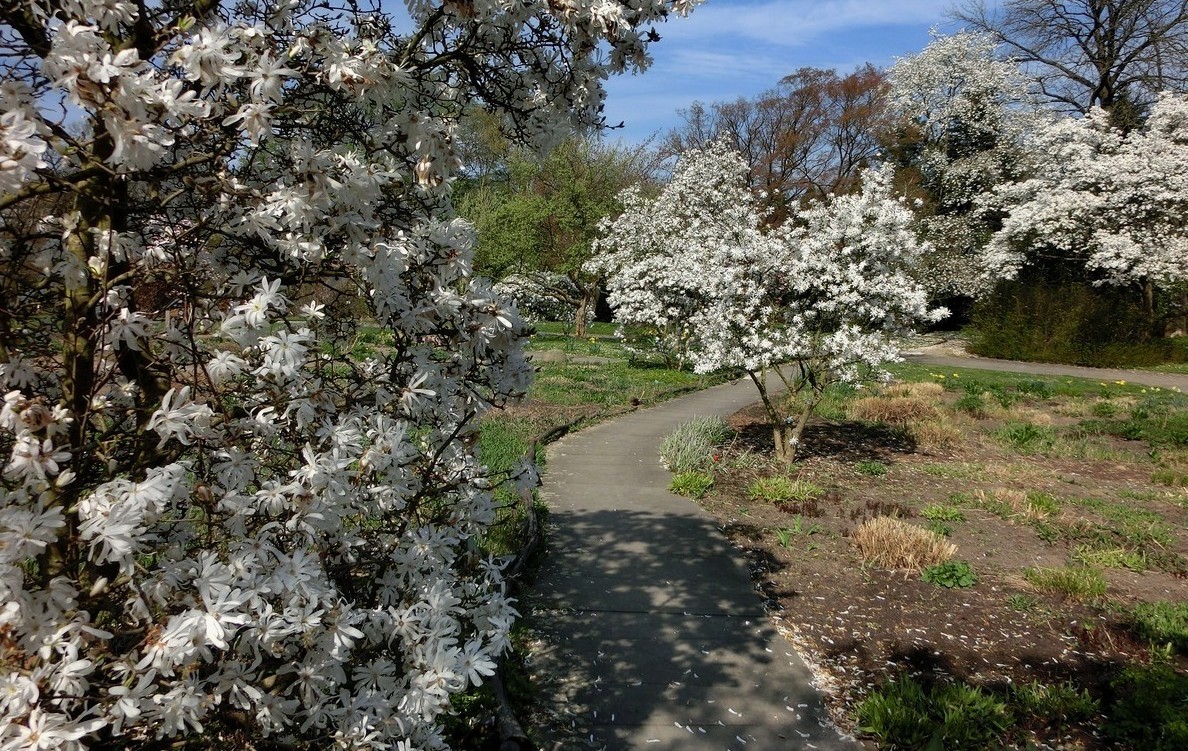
point(1112, 202)
point(217, 527)
point(963, 115)
point(661, 255)
point(819, 301)
point(544, 296)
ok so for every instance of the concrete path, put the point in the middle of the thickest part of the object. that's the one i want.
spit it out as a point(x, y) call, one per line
point(652, 611)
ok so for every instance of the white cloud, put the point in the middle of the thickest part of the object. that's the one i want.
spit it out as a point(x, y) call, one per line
point(792, 23)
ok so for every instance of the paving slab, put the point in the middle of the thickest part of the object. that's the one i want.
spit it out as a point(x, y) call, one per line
point(651, 611)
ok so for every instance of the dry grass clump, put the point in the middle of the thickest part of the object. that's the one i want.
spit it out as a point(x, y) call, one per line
point(918, 390)
point(1018, 413)
point(1010, 503)
point(891, 543)
point(937, 434)
point(893, 410)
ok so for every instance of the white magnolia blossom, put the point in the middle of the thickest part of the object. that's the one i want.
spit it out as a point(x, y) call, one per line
point(661, 256)
point(827, 295)
point(216, 525)
point(1114, 202)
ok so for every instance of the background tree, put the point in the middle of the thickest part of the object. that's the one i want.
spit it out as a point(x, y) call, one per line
point(542, 221)
point(217, 528)
point(1110, 203)
point(961, 117)
point(805, 139)
point(1113, 54)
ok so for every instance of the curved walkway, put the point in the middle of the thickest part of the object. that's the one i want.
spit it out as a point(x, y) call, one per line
point(1143, 377)
point(652, 611)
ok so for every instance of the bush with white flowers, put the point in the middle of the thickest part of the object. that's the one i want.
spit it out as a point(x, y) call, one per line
point(819, 301)
point(544, 296)
point(216, 526)
point(1112, 202)
point(661, 255)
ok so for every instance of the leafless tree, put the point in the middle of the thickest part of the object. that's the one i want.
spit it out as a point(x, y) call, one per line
point(806, 138)
point(1110, 53)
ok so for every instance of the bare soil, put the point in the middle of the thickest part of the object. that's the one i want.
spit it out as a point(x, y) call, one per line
point(857, 625)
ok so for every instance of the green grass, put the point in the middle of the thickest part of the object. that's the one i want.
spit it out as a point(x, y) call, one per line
point(1172, 478)
point(1023, 384)
point(778, 489)
point(691, 484)
point(1132, 560)
point(1150, 711)
point(614, 385)
point(1162, 624)
point(1077, 583)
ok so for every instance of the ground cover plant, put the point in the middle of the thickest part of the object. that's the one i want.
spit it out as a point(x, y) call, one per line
point(1014, 585)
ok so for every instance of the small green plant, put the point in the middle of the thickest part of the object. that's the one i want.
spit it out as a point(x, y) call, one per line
point(950, 575)
point(872, 468)
point(778, 489)
point(903, 714)
point(939, 528)
point(691, 484)
point(1058, 703)
point(1162, 624)
point(1076, 583)
point(941, 513)
point(1026, 437)
point(784, 536)
point(1022, 603)
point(1150, 711)
point(691, 446)
point(1170, 477)
point(1041, 504)
point(1087, 555)
point(1104, 409)
point(971, 403)
point(1037, 389)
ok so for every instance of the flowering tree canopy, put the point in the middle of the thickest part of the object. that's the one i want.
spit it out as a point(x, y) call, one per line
point(215, 525)
point(962, 116)
point(816, 302)
point(661, 256)
point(1114, 203)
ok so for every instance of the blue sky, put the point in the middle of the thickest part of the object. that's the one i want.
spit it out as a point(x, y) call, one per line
point(731, 48)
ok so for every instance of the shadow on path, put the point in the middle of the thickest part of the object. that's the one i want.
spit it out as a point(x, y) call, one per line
point(651, 612)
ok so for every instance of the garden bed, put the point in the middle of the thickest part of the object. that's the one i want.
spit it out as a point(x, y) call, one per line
point(1065, 499)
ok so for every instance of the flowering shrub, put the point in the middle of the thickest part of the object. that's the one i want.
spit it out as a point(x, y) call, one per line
point(828, 292)
point(1113, 202)
point(544, 296)
point(215, 525)
point(661, 255)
